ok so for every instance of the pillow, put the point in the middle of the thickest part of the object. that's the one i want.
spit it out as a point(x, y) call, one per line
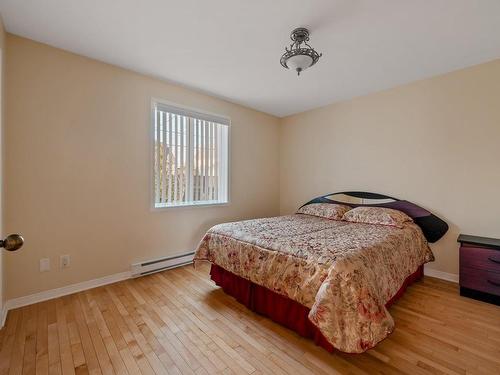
point(330, 211)
point(377, 215)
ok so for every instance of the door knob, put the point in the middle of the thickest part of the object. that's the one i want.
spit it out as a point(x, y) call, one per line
point(12, 242)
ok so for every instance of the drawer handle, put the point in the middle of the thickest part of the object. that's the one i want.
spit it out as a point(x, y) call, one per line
point(494, 260)
point(492, 282)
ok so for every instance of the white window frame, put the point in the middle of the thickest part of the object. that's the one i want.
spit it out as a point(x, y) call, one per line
point(195, 113)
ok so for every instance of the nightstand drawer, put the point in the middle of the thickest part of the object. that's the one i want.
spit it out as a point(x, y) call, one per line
point(480, 258)
point(484, 281)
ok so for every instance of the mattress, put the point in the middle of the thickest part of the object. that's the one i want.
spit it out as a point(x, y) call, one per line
point(344, 272)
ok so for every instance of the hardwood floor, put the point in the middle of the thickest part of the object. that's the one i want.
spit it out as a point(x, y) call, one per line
point(178, 322)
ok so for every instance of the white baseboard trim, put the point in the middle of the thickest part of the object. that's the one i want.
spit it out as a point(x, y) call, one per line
point(78, 287)
point(64, 291)
point(441, 275)
point(110, 279)
point(3, 315)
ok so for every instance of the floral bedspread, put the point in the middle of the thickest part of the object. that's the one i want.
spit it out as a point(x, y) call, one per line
point(344, 272)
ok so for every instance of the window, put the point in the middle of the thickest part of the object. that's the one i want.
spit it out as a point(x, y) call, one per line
point(190, 157)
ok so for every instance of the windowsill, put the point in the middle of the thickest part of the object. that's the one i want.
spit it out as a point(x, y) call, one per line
point(162, 206)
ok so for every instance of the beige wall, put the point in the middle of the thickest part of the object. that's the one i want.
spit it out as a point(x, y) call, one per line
point(77, 176)
point(434, 142)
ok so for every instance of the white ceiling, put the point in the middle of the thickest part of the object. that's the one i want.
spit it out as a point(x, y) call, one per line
point(231, 48)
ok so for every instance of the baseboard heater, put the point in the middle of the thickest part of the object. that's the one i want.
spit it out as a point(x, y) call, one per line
point(161, 264)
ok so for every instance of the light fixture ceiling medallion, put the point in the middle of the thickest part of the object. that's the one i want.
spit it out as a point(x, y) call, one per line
point(300, 55)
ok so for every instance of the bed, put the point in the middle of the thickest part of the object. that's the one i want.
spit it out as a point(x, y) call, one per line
point(328, 279)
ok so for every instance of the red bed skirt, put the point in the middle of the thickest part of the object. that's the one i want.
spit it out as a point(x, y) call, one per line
point(280, 309)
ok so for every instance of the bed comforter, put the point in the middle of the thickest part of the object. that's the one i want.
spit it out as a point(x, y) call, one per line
point(343, 272)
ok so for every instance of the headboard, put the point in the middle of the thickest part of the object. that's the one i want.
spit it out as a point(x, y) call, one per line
point(432, 226)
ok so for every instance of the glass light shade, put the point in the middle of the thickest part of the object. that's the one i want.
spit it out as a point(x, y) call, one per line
point(299, 62)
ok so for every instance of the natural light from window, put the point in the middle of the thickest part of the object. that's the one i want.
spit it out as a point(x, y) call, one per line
point(190, 157)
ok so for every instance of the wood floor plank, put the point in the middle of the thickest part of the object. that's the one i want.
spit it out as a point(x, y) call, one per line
point(153, 354)
point(117, 312)
point(91, 362)
point(42, 351)
point(29, 358)
point(13, 319)
point(100, 349)
point(179, 322)
point(16, 364)
point(64, 343)
point(77, 353)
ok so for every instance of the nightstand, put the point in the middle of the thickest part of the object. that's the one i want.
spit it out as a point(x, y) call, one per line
point(480, 268)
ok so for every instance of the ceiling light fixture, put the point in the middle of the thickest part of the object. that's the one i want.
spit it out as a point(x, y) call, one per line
point(300, 55)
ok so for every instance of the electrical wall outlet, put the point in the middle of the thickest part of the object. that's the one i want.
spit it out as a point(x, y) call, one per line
point(44, 265)
point(64, 261)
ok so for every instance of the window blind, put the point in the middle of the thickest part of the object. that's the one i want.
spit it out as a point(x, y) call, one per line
point(191, 157)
